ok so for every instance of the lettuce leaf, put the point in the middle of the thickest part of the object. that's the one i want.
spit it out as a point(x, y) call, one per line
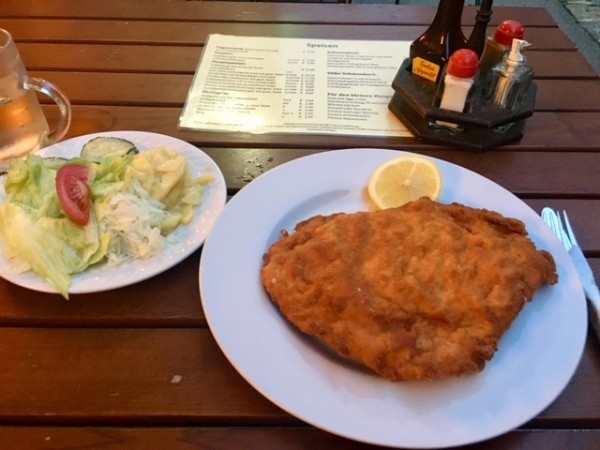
point(36, 233)
point(55, 248)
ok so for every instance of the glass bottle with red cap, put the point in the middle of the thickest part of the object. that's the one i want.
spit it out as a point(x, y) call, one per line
point(498, 46)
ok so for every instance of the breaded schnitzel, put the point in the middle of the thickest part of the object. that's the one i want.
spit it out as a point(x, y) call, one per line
point(423, 291)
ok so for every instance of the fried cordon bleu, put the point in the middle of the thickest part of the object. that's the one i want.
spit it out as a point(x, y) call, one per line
point(420, 292)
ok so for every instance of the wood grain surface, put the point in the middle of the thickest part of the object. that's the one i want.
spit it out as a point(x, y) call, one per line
point(138, 367)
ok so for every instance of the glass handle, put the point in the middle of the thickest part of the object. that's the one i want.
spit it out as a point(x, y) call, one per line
point(64, 106)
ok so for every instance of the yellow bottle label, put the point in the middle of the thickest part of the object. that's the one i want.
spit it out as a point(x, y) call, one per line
point(425, 69)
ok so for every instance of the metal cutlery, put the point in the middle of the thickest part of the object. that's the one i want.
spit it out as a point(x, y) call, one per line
point(567, 237)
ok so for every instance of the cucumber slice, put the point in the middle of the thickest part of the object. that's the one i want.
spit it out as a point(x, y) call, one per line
point(102, 147)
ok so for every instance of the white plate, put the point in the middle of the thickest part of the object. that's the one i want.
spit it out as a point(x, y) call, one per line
point(183, 241)
point(536, 359)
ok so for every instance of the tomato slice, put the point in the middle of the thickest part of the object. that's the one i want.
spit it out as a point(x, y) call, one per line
point(73, 189)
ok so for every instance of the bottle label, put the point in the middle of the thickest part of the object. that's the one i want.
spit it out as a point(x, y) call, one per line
point(425, 69)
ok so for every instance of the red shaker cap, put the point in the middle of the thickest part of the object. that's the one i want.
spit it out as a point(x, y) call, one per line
point(507, 31)
point(463, 63)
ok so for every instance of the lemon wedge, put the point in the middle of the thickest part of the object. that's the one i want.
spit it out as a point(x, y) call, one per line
point(404, 179)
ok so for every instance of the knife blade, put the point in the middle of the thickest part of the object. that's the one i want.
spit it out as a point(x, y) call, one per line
point(586, 276)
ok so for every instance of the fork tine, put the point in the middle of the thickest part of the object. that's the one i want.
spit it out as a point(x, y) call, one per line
point(547, 213)
point(552, 218)
point(563, 235)
point(569, 229)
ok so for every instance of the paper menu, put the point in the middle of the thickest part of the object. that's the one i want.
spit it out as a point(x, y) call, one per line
point(293, 85)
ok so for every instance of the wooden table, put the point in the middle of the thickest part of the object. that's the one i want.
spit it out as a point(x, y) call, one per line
point(97, 371)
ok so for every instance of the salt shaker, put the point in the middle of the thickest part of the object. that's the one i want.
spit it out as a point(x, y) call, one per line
point(458, 82)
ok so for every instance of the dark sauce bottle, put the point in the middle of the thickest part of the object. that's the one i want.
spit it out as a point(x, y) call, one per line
point(476, 41)
point(430, 52)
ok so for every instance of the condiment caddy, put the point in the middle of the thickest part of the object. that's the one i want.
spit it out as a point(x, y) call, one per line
point(473, 93)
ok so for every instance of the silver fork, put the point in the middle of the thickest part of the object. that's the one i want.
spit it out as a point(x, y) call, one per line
point(567, 237)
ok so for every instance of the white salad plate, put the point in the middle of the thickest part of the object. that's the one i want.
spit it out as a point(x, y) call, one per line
point(181, 243)
point(536, 358)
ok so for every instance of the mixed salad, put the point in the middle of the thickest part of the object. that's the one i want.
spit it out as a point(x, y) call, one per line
point(109, 205)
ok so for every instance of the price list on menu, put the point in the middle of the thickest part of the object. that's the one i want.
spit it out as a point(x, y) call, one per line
point(279, 85)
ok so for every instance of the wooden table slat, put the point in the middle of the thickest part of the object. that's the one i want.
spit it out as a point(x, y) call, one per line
point(194, 34)
point(173, 300)
point(143, 89)
point(264, 12)
point(253, 438)
point(544, 132)
point(184, 59)
point(173, 376)
point(242, 165)
point(131, 376)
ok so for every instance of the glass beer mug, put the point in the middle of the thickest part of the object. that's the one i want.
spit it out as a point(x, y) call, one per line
point(23, 126)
